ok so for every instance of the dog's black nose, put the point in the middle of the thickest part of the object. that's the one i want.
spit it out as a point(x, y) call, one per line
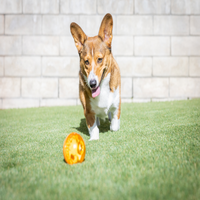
point(93, 83)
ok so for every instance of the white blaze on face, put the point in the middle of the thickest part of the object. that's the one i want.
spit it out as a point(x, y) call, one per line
point(92, 75)
point(92, 52)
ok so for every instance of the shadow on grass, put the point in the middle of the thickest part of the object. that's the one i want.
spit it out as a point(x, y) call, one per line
point(82, 127)
point(103, 128)
point(69, 164)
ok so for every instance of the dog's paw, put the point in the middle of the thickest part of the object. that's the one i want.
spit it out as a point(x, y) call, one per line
point(94, 133)
point(115, 124)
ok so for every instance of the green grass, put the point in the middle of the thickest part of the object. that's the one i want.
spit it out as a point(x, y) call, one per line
point(155, 155)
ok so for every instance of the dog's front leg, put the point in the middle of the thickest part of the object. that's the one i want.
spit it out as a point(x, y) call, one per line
point(114, 117)
point(115, 123)
point(92, 126)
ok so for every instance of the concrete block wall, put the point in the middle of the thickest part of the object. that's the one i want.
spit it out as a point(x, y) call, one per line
point(156, 44)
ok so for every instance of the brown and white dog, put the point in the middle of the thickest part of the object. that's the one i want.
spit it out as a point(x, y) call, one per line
point(99, 77)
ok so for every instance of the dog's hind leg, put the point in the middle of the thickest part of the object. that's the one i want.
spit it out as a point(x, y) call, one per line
point(110, 116)
point(115, 121)
point(97, 121)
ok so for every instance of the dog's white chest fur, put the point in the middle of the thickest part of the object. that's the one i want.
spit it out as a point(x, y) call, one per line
point(107, 101)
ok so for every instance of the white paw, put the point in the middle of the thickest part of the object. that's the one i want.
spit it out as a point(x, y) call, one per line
point(94, 132)
point(115, 124)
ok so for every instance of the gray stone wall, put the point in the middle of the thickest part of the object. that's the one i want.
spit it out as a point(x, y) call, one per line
point(156, 44)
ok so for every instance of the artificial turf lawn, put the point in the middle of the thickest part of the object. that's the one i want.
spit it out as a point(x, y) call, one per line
point(155, 155)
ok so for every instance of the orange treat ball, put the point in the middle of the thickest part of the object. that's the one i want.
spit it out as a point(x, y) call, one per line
point(74, 148)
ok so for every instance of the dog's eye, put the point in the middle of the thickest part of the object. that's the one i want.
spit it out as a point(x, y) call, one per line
point(99, 60)
point(87, 62)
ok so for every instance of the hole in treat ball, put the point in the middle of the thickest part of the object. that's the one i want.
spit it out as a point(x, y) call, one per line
point(80, 147)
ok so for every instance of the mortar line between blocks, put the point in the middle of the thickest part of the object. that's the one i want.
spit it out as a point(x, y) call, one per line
point(115, 15)
point(115, 35)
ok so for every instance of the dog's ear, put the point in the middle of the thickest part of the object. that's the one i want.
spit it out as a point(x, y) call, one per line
point(78, 35)
point(105, 31)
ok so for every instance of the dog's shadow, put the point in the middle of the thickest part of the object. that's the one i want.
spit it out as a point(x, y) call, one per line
point(104, 126)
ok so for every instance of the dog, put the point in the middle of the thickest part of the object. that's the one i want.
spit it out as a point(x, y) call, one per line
point(99, 77)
